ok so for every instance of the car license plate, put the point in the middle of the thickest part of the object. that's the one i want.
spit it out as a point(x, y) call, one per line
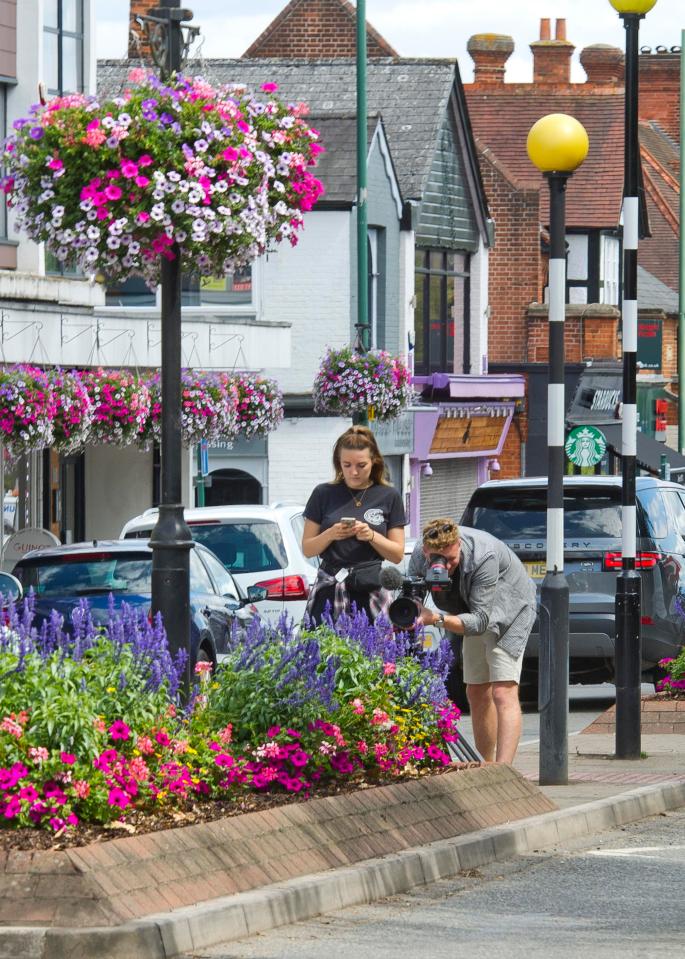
point(536, 570)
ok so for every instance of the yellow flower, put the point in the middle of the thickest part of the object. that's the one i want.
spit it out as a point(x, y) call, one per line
point(191, 750)
point(111, 689)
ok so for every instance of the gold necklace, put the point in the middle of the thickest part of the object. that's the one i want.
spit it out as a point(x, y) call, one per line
point(358, 502)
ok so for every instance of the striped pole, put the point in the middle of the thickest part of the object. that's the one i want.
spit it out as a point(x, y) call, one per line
point(628, 658)
point(554, 639)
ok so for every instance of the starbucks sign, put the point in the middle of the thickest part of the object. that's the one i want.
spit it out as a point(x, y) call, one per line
point(585, 445)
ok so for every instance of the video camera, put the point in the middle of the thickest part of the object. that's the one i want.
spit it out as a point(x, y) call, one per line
point(405, 609)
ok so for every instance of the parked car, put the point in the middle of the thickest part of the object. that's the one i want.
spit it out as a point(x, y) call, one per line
point(60, 577)
point(260, 545)
point(515, 512)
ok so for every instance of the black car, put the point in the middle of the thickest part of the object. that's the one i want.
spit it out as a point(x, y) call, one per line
point(62, 576)
point(515, 512)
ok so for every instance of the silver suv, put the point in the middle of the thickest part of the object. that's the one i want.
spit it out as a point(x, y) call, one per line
point(260, 545)
point(515, 512)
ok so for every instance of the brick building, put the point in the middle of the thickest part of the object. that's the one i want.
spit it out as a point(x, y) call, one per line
point(502, 114)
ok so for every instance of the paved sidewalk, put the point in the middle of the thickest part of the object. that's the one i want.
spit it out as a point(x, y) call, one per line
point(594, 772)
point(602, 792)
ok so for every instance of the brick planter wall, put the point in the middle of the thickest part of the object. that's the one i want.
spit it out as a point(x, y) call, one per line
point(110, 883)
point(658, 715)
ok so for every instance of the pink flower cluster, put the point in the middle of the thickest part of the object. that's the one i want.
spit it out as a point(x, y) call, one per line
point(27, 409)
point(121, 406)
point(177, 168)
point(259, 404)
point(349, 382)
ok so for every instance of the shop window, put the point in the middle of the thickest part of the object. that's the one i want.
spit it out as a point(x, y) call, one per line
point(235, 289)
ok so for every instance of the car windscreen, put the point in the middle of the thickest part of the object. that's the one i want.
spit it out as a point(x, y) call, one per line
point(243, 547)
point(63, 576)
point(589, 513)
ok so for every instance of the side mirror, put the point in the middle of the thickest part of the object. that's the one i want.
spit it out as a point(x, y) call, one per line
point(257, 594)
point(10, 587)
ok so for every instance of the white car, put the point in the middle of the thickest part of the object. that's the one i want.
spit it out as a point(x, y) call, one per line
point(260, 545)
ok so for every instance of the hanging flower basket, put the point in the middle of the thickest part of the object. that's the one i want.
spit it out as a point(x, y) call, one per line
point(208, 408)
point(260, 404)
point(212, 173)
point(73, 410)
point(374, 383)
point(121, 406)
point(26, 410)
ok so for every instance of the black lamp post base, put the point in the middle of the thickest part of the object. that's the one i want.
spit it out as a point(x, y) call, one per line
point(553, 680)
point(628, 664)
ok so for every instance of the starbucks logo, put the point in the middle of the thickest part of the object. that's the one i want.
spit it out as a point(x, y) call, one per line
point(585, 446)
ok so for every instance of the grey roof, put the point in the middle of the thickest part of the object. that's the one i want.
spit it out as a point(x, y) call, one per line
point(337, 167)
point(652, 294)
point(411, 95)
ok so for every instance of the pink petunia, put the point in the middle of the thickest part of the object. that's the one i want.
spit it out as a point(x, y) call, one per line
point(119, 730)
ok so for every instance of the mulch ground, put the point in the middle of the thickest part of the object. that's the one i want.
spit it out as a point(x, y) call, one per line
point(137, 823)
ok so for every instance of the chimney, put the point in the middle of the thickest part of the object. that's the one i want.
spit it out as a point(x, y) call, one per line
point(660, 88)
point(138, 47)
point(552, 58)
point(489, 52)
point(603, 64)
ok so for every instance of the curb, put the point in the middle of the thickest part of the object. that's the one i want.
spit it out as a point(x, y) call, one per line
point(170, 934)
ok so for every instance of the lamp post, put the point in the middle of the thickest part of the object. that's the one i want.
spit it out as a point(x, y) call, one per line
point(170, 539)
point(557, 145)
point(628, 658)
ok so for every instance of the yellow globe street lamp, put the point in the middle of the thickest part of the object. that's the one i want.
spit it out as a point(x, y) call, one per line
point(628, 656)
point(557, 145)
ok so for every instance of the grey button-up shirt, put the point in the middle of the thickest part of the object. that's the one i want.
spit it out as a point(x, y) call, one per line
point(494, 588)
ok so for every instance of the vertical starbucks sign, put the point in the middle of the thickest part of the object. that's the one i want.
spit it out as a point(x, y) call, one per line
point(585, 445)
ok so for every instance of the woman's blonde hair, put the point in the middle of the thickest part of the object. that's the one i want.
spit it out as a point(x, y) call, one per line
point(440, 533)
point(360, 438)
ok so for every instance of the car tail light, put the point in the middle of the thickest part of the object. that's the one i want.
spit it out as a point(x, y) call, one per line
point(646, 620)
point(286, 587)
point(646, 560)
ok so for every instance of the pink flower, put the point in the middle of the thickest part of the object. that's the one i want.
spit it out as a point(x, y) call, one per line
point(117, 797)
point(113, 192)
point(362, 746)
point(55, 164)
point(28, 793)
point(8, 725)
point(358, 707)
point(119, 730)
point(203, 669)
point(145, 745)
point(389, 669)
point(81, 788)
point(67, 758)
point(38, 753)
point(137, 75)
point(129, 169)
point(269, 87)
point(273, 731)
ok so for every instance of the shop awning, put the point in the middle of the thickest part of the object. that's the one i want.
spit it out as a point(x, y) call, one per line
point(649, 451)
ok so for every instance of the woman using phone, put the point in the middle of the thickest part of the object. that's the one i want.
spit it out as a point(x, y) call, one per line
point(353, 524)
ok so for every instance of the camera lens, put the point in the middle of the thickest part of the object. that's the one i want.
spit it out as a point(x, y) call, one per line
point(403, 612)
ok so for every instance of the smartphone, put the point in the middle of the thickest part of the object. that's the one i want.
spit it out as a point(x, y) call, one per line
point(348, 520)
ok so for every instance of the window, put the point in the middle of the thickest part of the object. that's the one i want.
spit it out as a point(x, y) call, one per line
point(63, 46)
point(222, 578)
point(199, 577)
point(235, 289)
point(442, 314)
point(592, 268)
point(376, 287)
point(249, 547)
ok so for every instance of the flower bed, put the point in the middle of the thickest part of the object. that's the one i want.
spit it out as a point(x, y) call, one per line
point(91, 731)
point(171, 168)
point(673, 682)
point(349, 382)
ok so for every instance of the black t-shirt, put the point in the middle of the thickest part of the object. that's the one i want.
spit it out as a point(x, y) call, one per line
point(381, 507)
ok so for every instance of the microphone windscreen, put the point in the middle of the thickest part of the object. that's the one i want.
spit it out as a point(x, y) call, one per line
point(391, 577)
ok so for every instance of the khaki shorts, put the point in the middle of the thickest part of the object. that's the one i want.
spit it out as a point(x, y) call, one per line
point(486, 662)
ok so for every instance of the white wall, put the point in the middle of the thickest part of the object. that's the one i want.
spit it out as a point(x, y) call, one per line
point(300, 456)
point(479, 309)
point(119, 487)
point(309, 286)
